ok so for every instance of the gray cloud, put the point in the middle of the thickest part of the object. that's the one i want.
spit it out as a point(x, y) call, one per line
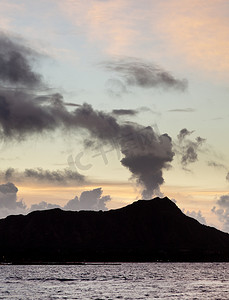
point(223, 201)
point(124, 112)
point(71, 104)
point(196, 215)
point(23, 114)
point(15, 63)
point(150, 158)
point(146, 154)
point(222, 211)
point(135, 72)
point(183, 133)
point(227, 177)
point(42, 206)
point(89, 200)
point(188, 149)
point(59, 176)
point(8, 200)
point(216, 165)
point(116, 88)
point(183, 110)
point(8, 188)
point(62, 177)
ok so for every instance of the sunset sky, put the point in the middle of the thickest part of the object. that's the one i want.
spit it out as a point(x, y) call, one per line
point(91, 77)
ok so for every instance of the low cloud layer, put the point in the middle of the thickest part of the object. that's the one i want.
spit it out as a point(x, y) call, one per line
point(59, 177)
point(186, 149)
point(135, 72)
point(88, 200)
point(221, 210)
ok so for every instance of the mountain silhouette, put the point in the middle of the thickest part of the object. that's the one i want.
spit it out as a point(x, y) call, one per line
point(146, 230)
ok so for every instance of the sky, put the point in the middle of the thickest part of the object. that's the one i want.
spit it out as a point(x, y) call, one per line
point(105, 102)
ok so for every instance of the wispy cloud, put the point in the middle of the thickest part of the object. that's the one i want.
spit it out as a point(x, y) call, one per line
point(125, 112)
point(139, 73)
point(194, 32)
point(187, 149)
point(182, 110)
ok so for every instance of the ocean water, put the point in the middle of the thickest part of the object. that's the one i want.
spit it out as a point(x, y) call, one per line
point(123, 281)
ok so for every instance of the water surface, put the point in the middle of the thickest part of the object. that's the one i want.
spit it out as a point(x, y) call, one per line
point(124, 281)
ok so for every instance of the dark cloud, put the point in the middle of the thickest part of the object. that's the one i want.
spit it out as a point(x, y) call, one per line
point(8, 188)
point(187, 149)
point(15, 63)
point(146, 154)
point(71, 104)
point(60, 177)
point(153, 151)
point(124, 112)
point(222, 211)
point(135, 72)
point(23, 114)
point(196, 215)
point(183, 133)
point(188, 110)
point(227, 177)
point(20, 115)
point(9, 203)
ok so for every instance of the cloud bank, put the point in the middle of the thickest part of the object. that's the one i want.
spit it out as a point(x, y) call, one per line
point(221, 210)
point(196, 215)
point(39, 175)
point(88, 200)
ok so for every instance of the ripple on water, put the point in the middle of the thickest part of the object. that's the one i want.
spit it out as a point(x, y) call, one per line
point(125, 281)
